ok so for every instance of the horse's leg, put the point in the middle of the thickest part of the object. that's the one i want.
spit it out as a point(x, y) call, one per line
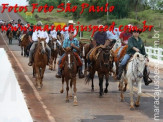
point(51, 63)
point(131, 94)
point(125, 88)
point(38, 78)
point(37, 75)
point(55, 63)
point(121, 89)
point(62, 89)
point(21, 50)
point(137, 103)
point(75, 89)
point(42, 75)
point(67, 89)
point(107, 83)
point(71, 88)
point(85, 71)
point(101, 83)
point(93, 73)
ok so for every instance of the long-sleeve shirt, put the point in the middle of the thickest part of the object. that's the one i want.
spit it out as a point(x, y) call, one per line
point(67, 43)
point(41, 34)
point(132, 42)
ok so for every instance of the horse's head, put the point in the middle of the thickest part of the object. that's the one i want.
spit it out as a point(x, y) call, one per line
point(105, 56)
point(139, 62)
point(42, 44)
point(70, 57)
point(53, 44)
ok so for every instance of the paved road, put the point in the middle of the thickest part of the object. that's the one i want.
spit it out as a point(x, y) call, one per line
point(48, 104)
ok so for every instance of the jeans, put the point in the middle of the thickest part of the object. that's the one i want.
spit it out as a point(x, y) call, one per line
point(32, 51)
point(125, 59)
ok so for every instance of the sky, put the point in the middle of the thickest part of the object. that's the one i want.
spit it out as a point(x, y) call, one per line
point(13, 2)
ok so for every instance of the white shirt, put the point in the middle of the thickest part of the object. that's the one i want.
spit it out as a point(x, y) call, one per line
point(116, 34)
point(53, 34)
point(65, 33)
point(41, 34)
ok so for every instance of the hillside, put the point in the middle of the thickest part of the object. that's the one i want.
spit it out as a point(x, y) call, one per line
point(152, 17)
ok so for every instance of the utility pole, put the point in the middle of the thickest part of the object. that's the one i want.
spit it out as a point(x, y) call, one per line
point(65, 4)
point(107, 12)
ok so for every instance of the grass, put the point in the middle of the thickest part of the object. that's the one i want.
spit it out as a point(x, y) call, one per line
point(151, 17)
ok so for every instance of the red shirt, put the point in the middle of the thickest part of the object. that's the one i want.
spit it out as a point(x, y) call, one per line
point(125, 36)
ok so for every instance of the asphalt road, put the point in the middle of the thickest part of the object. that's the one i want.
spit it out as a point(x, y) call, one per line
point(48, 104)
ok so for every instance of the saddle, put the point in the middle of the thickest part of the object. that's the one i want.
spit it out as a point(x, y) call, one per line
point(79, 63)
point(94, 53)
point(122, 52)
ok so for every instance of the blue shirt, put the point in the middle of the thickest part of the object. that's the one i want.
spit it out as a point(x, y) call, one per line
point(116, 34)
point(67, 43)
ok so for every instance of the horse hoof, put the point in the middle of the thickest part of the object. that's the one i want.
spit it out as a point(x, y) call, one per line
point(39, 87)
point(67, 100)
point(61, 91)
point(92, 90)
point(105, 91)
point(122, 100)
point(132, 107)
point(100, 95)
point(70, 96)
point(124, 89)
point(75, 103)
point(137, 105)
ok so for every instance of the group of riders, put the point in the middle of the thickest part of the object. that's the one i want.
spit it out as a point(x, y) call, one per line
point(104, 39)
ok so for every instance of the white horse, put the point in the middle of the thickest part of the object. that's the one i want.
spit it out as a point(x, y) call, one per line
point(134, 73)
point(117, 44)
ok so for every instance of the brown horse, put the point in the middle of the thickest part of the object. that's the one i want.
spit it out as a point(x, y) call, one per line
point(103, 66)
point(10, 36)
point(69, 73)
point(24, 44)
point(84, 49)
point(54, 53)
point(40, 61)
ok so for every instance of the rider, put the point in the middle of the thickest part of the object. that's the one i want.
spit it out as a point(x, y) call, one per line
point(100, 38)
point(35, 35)
point(66, 33)
point(125, 35)
point(70, 42)
point(135, 44)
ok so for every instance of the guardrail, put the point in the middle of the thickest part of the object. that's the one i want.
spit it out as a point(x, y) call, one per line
point(154, 53)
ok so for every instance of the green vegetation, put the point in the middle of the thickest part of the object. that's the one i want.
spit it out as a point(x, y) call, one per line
point(122, 15)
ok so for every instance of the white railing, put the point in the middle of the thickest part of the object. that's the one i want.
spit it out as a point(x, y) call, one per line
point(155, 53)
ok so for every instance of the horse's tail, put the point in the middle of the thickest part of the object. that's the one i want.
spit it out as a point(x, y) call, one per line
point(89, 77)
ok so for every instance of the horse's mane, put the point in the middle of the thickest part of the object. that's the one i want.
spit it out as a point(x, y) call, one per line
point(136, 55)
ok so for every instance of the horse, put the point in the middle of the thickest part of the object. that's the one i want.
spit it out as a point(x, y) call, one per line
point(18, 33)
point(84, 49)
point(69, 73)
point(10, 36)
point(40, 61)
point(102, 65)
point(134, 73)
point(117, 44)
point(24, 45)
point(54, 52)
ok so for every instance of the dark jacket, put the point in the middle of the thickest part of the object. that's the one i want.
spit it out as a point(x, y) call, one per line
point(132, 42)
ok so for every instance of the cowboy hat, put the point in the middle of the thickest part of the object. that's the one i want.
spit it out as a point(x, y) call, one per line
point(71, 22)
point(39, 23)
